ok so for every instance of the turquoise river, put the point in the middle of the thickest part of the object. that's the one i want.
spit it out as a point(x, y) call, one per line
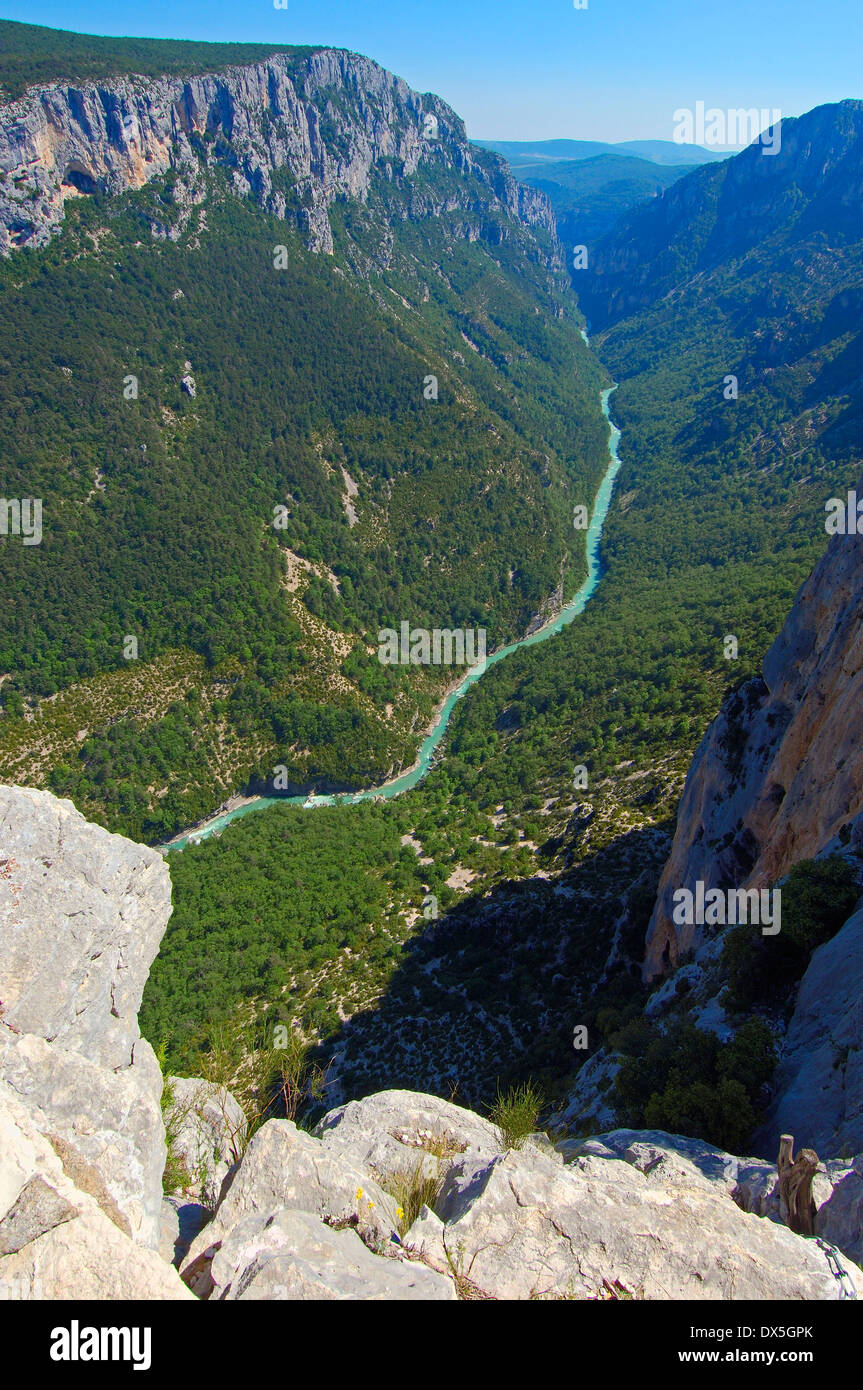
point(406, 780)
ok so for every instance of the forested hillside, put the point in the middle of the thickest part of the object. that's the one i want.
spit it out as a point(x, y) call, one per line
point(31, 55)
point(589, 196)
point(245, 468)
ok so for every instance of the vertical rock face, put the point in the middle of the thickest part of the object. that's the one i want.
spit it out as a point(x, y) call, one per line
point(818, 1086)
point(82, 913)
point(779, 773)
point(320, 128)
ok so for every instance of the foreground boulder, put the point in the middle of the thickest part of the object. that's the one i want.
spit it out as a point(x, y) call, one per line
point(293, 1255)
point(285, 1169)
point(524, 1227)
point(394, 1131)
point(630, 1214)
point(60, 1237)
point(82, 913)
point(753, 1183)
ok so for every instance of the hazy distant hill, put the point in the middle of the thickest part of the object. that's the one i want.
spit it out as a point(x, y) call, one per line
point(520, 152)
point(590, 195)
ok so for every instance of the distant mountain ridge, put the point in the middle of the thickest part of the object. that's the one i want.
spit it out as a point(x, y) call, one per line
point(811, 188)
point(519, 152)
point(589, 196)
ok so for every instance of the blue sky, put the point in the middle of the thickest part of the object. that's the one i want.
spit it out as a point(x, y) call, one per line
point(536, 69)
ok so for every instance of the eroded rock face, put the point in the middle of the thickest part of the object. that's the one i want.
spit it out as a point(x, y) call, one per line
point(779, 773)
point(59, 1236)
point(82, 913)
point(60, 142)
point(524, 1227)
point(818, 1085)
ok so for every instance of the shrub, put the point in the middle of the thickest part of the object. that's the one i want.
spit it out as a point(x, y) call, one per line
point(722, 1114)
point(817, 899)
point(689, 1082)
point(515, 1113)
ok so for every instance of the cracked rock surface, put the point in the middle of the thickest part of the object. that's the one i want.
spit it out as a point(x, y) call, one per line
point(82, 913)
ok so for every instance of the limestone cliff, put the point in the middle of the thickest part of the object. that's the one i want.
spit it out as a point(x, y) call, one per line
point(294, 134)
point(82, 913)
point(779, 773)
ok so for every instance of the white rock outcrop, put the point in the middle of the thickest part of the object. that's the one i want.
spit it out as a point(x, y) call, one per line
point(393, 1131)
point(524, 1227)
point(294, 1255)
point(631, 1214)
point(59, 1233)
point(837, 1189)
point(285, 1169)
point(82, 913)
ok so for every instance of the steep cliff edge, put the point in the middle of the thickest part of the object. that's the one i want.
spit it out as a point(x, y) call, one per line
point(82, 913)
point(295, 133)
point(779, 773)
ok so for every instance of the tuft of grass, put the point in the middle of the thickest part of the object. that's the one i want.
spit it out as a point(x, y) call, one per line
point(176, 1176)
point(515, 1113)
point(412, 1189)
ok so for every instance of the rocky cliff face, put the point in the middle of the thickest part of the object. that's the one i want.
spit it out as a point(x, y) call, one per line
point(811, 188)
point(82, 913)
point(779, 774)
point(295, 135)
